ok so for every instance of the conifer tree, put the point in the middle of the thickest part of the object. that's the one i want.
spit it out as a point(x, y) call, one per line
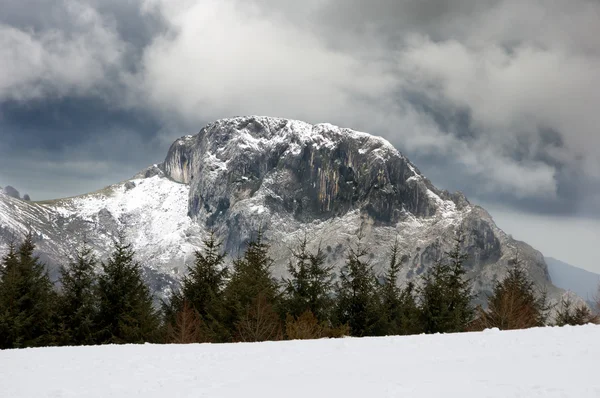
point(26, 299)
point(251, 285)
point(126, 314)
point(445, 297)
point(399, 312)
point(310, 283)
point(202, 288)
point(514, 303)
point(389, 294)
point(570, 313)
point(410, 321)
point(356, 301)
point(78, 304)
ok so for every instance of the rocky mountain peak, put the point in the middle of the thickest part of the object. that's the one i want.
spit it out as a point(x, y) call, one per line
point(288, 177)
point(313, 172)
point(12, 192)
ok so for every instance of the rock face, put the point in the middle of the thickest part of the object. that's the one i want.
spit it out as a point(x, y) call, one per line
point(289, 178)
point(12, 192)
point(312, 172)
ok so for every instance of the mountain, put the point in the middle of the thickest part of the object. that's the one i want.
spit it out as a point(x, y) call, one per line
point(289, 178)
point(579, 281)
point(149, 208)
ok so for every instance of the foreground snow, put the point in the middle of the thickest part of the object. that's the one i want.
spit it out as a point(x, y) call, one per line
point(550, 362)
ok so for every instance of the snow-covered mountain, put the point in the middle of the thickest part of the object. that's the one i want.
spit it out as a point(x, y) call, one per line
point(150, 208)
point(291, 178)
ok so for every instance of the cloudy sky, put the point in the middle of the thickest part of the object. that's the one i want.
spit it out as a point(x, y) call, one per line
point(498, 99)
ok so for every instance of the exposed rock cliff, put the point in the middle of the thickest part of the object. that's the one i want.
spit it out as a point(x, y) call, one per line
point(290, 178)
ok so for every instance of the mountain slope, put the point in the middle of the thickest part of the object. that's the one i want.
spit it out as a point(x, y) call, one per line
point(581, 282)
point(290, 178)
point(151, 211)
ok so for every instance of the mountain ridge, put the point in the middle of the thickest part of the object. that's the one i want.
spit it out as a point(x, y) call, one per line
point(582, 282)
point(289, 177)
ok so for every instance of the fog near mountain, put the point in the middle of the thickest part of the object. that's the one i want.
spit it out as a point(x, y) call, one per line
point(581, 282)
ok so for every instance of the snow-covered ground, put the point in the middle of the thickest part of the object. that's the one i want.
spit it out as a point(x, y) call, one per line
point(547, 362)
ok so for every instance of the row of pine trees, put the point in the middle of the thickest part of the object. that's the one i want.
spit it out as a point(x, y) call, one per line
point(216, 303)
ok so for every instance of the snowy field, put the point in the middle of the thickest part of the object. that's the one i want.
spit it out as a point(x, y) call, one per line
point(549, 362)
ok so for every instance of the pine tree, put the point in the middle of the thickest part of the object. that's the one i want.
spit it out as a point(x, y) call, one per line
point(356, 301)
point(514, 303)
point(445, 296)
point(310, 284)
point(126, 314)
point(571, 314)
point(399, 312)
point(389, 295)
point(203, 288)
point(26, 299)
point(251, 280)
point(78, 304)
point(410, 321)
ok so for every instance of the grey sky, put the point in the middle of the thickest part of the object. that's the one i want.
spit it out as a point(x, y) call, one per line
point(495, 98)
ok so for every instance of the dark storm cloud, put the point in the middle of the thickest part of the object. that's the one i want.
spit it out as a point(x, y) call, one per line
point(511, 79)
point(69, 118)
point(572, 185)
point(495, 98)
point(68, 146)
point(53, 124)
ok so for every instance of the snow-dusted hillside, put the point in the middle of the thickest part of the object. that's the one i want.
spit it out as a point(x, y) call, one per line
point(151, 211)
point(545, 362)
point(289, 177)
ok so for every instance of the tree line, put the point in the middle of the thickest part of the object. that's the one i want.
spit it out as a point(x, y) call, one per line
point(245, 303)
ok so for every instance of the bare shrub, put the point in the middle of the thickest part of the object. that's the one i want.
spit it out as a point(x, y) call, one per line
point(188, 327)
point(570, 313)
point(260, 323)
point(304, 327)
point(337, 332)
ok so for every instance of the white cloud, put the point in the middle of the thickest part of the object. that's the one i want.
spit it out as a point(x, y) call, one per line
point(519, 90)
point(222, 61)
point(37, 64)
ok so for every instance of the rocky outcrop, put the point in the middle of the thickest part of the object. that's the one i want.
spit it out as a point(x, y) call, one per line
point(12, 192)
point(311, 172)
point(291, 179)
